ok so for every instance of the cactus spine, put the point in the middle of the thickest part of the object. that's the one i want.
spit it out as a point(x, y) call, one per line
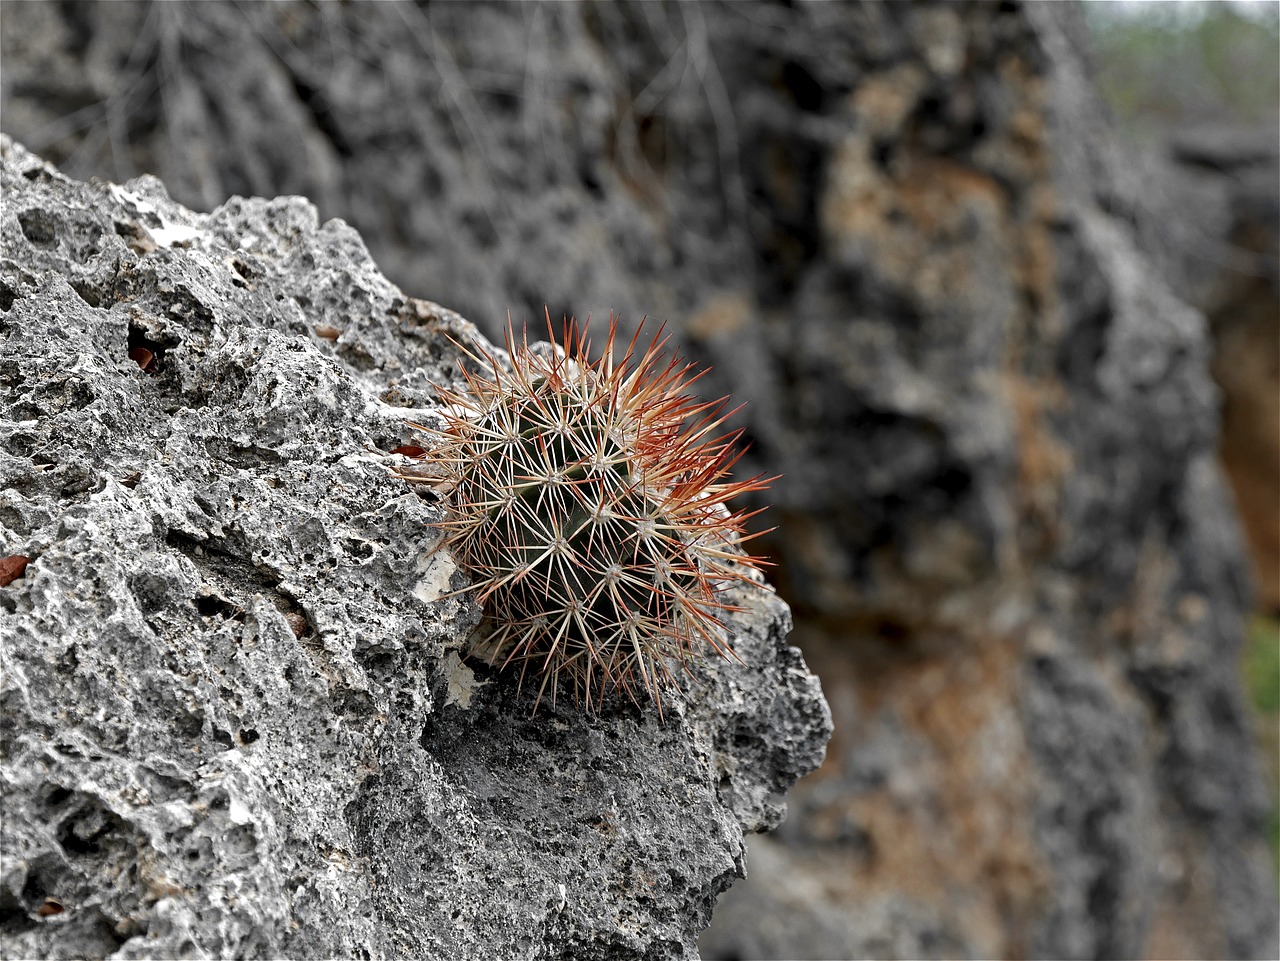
point(588, 508)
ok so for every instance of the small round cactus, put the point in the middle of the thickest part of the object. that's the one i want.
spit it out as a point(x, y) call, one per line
point(588, 506)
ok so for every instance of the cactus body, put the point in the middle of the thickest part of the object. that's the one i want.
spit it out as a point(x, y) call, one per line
point(588, 508)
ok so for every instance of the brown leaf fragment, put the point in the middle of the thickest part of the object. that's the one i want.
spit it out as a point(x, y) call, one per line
point(136, 237)
point(142, 245)
point(328, 331)
point(144, 359)
point(409, 450)
point(11, 568)
point(50, 906)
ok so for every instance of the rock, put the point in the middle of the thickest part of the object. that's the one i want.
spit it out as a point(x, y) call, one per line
point(236, 719)
point(1028, 609)
point(1208, 213)
point(1042, 747)
point(904, 234)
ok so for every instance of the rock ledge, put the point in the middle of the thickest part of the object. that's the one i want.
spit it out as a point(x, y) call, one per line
point(236, 720)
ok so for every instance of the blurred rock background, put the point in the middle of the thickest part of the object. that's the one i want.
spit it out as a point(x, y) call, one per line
point(999, 285)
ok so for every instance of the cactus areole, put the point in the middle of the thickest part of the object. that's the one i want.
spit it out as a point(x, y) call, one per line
point(588, 507)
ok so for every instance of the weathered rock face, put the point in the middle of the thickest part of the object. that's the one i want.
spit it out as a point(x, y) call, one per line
point(1208, 210)
point(235, 718)
point(1041, 744)
point(900, 232)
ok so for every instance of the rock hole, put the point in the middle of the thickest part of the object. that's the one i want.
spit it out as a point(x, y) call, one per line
point(804, 89)
point(930, 108)
point(895, 632)
point(213, 605)
point(81, 833)
point(37, 227)
point(883, 154)
point(361, 550)
point(145, 352)
point(34, 889)
point(14, 920)
point(223, 739)
point(87, 292)
point(57, 797)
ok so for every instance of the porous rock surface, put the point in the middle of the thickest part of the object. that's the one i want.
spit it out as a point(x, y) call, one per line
point(903, 233)
point(236, 723)
point(1208, 208)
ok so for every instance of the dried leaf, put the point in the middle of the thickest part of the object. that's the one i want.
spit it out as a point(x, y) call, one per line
point(50, 906)
point(11, 568)
point(409, 450)
point(144, 359)
point(142, 245)
point(328, 331)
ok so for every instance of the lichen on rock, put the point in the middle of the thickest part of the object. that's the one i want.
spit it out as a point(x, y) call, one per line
point(236, 719)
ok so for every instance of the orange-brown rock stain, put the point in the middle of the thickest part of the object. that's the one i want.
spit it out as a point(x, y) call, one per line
point(1247, 368)
point(926, 664)
point(919, 651)
point(954, 831)
point(1187, 921)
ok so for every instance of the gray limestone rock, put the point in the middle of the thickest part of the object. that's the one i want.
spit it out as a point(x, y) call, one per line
point(902, 233)
point(236, 721)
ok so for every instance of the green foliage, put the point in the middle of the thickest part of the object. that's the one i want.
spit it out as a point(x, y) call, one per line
point(1163, 64)
point(1273, 834)
point(1262, 665)
point(1262, 678)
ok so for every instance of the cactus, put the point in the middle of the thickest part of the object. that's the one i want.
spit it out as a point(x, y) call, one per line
point(588, 506)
